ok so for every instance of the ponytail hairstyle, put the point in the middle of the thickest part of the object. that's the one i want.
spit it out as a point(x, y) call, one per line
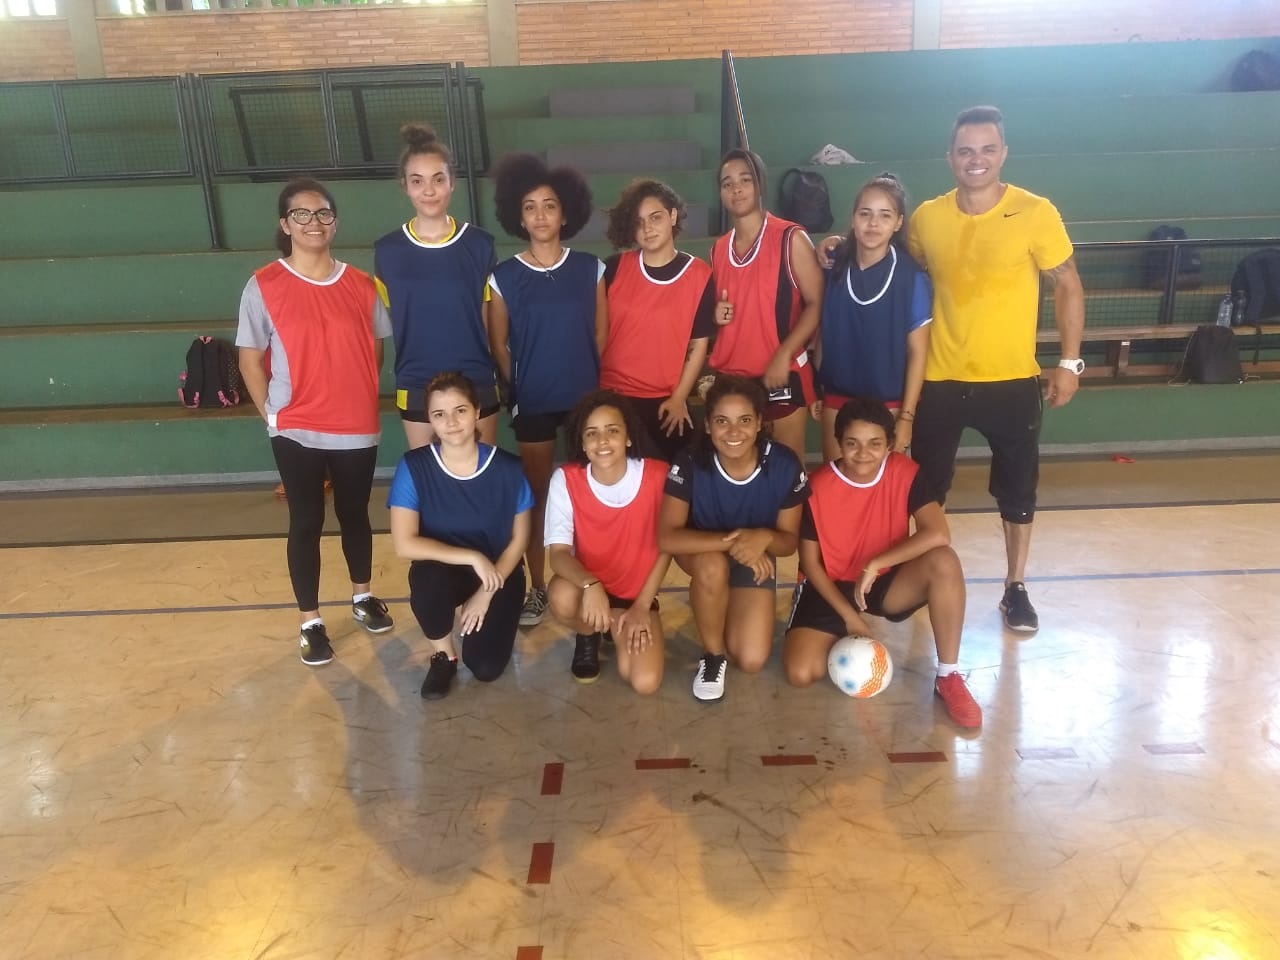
point(891, 185)
point(285, 203)
point(420, 139)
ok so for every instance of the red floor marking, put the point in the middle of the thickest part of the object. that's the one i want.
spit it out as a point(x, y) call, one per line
point(1171, 749)
point(663, 763)
point(928, 756)
point(789, 760)
point(528, 953)
point(1046, 753)
point(540, 863)
point(552, 780)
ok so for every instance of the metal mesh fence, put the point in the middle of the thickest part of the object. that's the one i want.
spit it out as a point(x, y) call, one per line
point(99, 129)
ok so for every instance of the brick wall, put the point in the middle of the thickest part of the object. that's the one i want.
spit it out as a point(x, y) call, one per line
point(1010, 23)
point(35, 50)
point(293, 40)
point(685, 29)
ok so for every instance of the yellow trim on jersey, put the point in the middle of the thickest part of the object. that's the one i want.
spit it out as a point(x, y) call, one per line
point(453, 230)
point(985, 271)
point(402, 399)
point(382, 292)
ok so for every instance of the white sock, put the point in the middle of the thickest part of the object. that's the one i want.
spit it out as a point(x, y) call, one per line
point(946, 669)
point(357, 597)
point(313, 622)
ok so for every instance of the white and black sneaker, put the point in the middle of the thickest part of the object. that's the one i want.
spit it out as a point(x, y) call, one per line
point(534, 609)
point(371, 613)
point(314, 644)
point(708, 682)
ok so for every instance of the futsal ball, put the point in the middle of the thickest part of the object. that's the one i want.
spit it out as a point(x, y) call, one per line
point(860, 666)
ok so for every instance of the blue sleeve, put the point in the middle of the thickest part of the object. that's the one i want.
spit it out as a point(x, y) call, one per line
point(921, 301)
point(403, 492)
point(524, 500)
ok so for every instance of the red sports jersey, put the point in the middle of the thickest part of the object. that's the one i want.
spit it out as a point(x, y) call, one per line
point(650, 323)
point(854, 522)
point(617, 544)
point(766, 301)
point(327, 332)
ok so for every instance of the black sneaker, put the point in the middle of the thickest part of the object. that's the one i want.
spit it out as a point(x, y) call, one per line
point(586, 658)
point(440, 674)
point(371, 613)
point(708, 682)
point(314, 643)
point(1019, 614)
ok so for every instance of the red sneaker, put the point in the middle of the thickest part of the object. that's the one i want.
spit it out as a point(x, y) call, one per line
point(964, 710)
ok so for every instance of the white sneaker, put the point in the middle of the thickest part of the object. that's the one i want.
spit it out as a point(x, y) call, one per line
point(708, 682)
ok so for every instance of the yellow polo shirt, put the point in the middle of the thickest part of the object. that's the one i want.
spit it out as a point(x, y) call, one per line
point(986, 282)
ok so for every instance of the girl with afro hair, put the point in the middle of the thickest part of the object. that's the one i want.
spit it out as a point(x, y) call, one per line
point(548, 322)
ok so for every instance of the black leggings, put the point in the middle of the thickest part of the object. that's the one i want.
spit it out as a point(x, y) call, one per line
point(436, 590)
point(303, 469)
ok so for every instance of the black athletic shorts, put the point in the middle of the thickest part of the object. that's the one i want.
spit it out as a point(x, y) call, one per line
point(811, 611)
point(413, 403)
point(538, 427)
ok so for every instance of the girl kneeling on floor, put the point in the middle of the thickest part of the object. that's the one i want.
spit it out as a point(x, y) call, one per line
point(602, 537)
point(732, 505)
point(460, 511)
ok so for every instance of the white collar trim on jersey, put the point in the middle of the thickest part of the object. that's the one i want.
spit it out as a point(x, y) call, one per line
point(848, 280)
point(715, 458)
point(645, 273)
point(871, 483)
point(481, 466)
point(555, 266)
point(339, 269)
point(755, 245)
point(458, 230)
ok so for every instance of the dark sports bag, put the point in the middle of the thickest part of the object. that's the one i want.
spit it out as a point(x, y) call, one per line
point(212, 377)
point(1256, 70)
point(1155, 270)
point(803, 198)
point(1212, 356)
point(1255, 292)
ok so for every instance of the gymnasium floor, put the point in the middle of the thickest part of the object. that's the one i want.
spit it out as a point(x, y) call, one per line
point(174, 783)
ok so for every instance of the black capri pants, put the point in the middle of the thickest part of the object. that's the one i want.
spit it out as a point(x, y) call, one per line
point(1007, 414)
point(303, 469)
point(436, 590)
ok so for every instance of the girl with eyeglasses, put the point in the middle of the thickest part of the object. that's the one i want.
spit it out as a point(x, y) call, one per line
point(432, 274)
point(322, 324)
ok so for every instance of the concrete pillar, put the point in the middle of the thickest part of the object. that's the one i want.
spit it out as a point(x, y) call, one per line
point(86, 45)
point(504, 42)
point(926, 31)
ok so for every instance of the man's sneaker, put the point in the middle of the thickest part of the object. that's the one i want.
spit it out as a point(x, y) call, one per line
point(314, 643)
point(964, 710)
point(708, 682)
point(371, 613)
point(534, 609)
point(586, 658)
point(440, 673)
point(1019, 614)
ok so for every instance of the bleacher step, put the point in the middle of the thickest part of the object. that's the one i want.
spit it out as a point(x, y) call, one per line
point(616, 101)
point(652, 155)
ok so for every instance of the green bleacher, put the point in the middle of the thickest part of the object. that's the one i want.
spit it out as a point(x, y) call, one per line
point(106, 283)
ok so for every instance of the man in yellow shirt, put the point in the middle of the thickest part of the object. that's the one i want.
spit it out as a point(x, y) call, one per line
point(986, 244)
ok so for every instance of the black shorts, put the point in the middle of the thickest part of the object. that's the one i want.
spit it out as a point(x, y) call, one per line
point(622, 603)
point(538, 427)
point(809, 610)
point(740, 575)
point(1007, 413)
point(660, 445)
point(412, 404)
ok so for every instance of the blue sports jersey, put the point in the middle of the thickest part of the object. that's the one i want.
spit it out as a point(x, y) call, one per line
point(718, 502)
point(435, 294)
point(866, 318)
point(554, 360)
point(474, 512)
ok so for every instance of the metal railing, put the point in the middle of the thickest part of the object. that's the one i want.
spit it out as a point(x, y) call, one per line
point(733, 123)
point(334, 123)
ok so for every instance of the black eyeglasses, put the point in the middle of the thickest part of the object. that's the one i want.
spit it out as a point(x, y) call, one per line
point(302, 216)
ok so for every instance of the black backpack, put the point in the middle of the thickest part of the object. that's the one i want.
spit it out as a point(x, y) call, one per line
point(1256, 70)
point(1155, 271)
point(1212, 356)
point(803, 198)
point(1255, 292)
point(212, 377)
